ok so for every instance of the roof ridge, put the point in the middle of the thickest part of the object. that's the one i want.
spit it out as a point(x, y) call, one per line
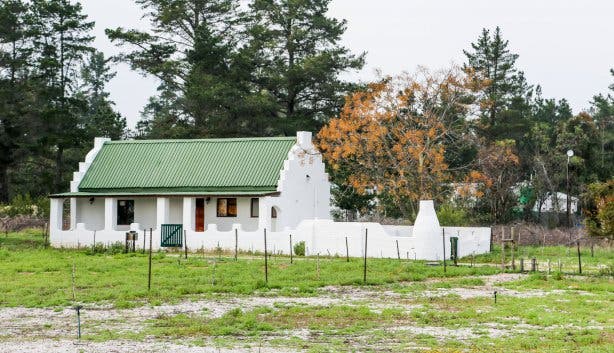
point(216, 140)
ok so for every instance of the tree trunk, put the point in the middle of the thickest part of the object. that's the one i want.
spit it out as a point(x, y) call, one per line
point(59, 168)
point(4, 183)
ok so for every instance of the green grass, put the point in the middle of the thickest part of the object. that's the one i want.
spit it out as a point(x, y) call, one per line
point(560, 323)
point(33, 276)
point(560, 312)
point(601, 260)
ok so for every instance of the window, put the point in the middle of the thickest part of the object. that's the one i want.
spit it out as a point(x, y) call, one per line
point(125, 212)
point(273, 212)
point(227, 207)
point(254, 213)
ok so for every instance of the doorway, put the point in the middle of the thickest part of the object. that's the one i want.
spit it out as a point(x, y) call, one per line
point(199, 225)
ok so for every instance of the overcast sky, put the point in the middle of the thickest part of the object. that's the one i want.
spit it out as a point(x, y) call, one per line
point(564, 45)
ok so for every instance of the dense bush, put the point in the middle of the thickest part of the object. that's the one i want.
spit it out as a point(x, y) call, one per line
point(24, 205)
point(449, 215)
point(299, 248)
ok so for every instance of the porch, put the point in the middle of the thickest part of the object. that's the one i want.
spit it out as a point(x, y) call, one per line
point(111, 217)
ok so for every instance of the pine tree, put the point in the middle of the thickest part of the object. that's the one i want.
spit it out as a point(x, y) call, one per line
point(62, 40)
point(183, 51)
point(100, 119)
point(301, 60)
point(492, 60)
point(15, 97)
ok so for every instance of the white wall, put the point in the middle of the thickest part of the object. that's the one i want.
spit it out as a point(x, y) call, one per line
point(90, 213)
point(145, 212)
point(320, 236)
point(303, 185)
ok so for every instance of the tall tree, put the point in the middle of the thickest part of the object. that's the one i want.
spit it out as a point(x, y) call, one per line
point(62, 39)
point(491, 59)
point(393, 136)
point(15, 97)
point(603, 114)
point(100, 118)
point(188, 50)
point(302, 60)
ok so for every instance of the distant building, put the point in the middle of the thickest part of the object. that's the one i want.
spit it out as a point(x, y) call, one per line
point(556, 202)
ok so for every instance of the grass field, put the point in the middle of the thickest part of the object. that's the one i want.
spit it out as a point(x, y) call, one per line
point(307, 306)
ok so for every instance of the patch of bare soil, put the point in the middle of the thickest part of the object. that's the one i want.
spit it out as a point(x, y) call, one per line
point(63, 346)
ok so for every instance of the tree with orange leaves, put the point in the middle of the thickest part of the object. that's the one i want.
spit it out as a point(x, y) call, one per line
point(394, 134)
point(499, 173)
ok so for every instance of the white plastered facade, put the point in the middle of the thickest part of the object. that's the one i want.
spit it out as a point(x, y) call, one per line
point(302, 204)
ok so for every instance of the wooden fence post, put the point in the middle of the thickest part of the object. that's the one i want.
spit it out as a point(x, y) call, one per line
point(347, 250)
point(236, 244)
point(398, 251)
point(579, 258)
point(364, 272)
point(185, 243)
point(266, 263)
point(291, 250)
point(149, 272)
point(443, 237)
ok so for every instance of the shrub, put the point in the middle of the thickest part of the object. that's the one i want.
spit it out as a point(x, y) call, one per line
point(449, 215)
point(299, 248)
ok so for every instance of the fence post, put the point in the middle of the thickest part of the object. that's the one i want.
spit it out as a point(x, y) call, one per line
point(503, 248)
point(533, 264)
point(347, 250)
point(398, 251)
point(522, 265)
point(549, 268)
point(185, 243)
point(236, 244)
point(291, 250)
point(443, 237)
point(266, 262)
point(318, 266)
point(149, 272)
point(579, 258)
point(513, 231)
point(364, 272)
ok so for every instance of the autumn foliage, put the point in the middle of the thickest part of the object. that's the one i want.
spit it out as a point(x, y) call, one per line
point(394, 134)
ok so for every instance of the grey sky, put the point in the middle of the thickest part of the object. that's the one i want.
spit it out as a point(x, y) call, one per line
point(564, 45)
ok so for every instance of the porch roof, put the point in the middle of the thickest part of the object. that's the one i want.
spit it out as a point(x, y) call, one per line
point(149, 193)
point(235, 166)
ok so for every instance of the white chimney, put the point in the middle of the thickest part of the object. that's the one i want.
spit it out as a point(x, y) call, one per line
point(303, 139)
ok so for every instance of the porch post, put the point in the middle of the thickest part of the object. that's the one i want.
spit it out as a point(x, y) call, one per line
point(73, 213)
point(110, 213)
point(55, 214)
point(264, 213)
point(162, 212)
point(188, 213)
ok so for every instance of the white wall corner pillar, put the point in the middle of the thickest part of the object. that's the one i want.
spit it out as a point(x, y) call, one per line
point(162, 212)
point(55, 214)
point(110, 214)
point(73, 213)
point(188, 213)
point(264, 213)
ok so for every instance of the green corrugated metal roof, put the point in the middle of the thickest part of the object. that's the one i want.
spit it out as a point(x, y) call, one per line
point(246, 165)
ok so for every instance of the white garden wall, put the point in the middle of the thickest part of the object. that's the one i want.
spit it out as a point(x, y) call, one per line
point(320, 236)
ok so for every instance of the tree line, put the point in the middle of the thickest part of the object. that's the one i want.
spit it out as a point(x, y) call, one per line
point(473, 137)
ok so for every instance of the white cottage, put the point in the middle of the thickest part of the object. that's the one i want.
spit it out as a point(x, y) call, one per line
point(198, 186)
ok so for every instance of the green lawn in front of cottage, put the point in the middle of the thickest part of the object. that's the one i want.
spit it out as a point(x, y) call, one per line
point(311, 305)
point(34, 276)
